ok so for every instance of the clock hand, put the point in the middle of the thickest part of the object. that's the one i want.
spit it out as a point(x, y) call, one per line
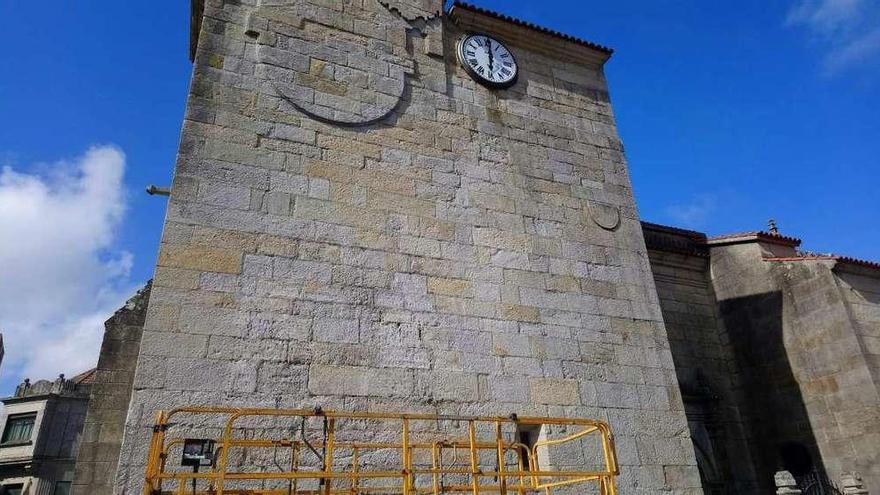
point(491, 56)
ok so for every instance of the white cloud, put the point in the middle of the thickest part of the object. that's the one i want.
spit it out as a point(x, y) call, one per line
point(864, 48)
point(828, 17)
point(60, 276)
point(693, 214)
point(847, 30)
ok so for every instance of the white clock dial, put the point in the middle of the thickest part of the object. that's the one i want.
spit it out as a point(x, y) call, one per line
point(487, 60)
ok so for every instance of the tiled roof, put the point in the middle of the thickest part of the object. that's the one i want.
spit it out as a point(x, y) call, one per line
point(856, 261)
point(674, 230)
point(695, 243)
point(828, 257)
point(674, 240)
point(530, 25)
point(85, 377)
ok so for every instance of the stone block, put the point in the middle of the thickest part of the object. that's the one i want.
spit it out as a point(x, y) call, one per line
point(359, 381)
point(301, 271)
point(617, 395)
point(178, 278)
point(448, 386)
point(419, 246)
point(198, 374)
point(502, 240)
point(492, 201)
point(785, 483)
point(450, 287)
point(554, 391)
point(373, 179)
point(518, 312)
point(506, 344)
point(278, 203)
point(337, 213)
point(505, 388)
point(222, 238)
point(173, 344)
point(200, 258)
point(237, 349)
point(219, 282)
point(225, 196)
point(206, 320)
point(336, 330)
point(282, 378)
point(319, 188)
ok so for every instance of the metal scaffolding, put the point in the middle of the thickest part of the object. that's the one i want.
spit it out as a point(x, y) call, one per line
point(324, 459)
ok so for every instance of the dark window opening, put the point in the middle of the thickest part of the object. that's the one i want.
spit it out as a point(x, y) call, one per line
point(795, 458)
point(528, 436)
point(62, 488)
point(19, 428)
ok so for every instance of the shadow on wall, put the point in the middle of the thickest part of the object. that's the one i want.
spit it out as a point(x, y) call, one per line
point(774, 409)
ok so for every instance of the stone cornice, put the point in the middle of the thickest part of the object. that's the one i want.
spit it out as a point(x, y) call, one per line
point(533, 37)
point(530, 36)
point(759, 236)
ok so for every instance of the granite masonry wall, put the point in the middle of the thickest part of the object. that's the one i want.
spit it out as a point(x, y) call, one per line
point(803, 359)
point(101, 440)
point(354, 223)
point(775, 355)
point(707, 371)
point(861, 291)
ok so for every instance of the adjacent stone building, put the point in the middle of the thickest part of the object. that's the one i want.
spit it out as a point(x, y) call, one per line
point(41, 425)
point(356, 223)
point(776, 352)
point(98, 452)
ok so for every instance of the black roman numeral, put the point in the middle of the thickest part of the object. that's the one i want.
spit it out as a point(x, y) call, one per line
point(504, 55)
point(481, 70)
point(473, 62)
point(470, 53)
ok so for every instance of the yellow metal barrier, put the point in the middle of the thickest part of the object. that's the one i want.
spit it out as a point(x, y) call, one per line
point(493, 464)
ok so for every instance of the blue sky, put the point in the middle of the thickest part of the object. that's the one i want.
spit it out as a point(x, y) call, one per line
point(731, 113)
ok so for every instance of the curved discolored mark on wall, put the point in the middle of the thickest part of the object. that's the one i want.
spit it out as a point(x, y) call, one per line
point(414, 10)
point(604, 215)
point(345, 67)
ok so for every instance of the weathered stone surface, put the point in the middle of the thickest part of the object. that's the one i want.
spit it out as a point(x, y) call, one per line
point(359, 381)
point(200, 259)
point(554, 391)
point(410, 239)
point(101, 441)
point(766, 345)
point(785, 483)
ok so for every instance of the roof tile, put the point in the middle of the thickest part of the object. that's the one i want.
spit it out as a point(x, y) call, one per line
point(530, 25)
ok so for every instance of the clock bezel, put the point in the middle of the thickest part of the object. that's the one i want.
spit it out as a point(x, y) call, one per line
point(459, 51)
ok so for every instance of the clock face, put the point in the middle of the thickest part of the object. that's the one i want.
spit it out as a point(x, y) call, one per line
point(487, 60)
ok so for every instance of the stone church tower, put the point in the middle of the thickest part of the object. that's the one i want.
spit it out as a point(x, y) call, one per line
point(356, 222)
